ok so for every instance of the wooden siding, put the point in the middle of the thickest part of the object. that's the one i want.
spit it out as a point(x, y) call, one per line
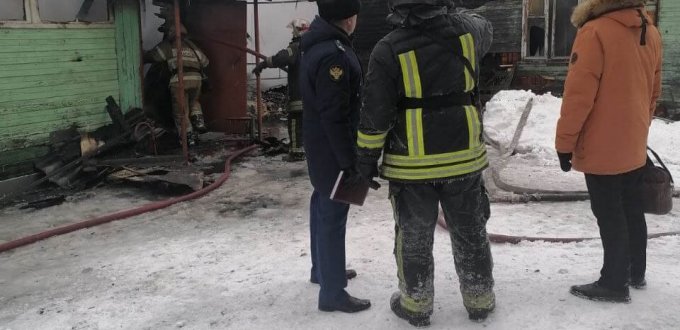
point(52, 78)
point(669, 26)
point(129, 50)
point(506, 17)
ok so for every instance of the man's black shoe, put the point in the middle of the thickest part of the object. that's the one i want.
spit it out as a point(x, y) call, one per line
point(638, 283)
point(594, 291)
point(349, 273)
point(348, 305)
point(415, 319)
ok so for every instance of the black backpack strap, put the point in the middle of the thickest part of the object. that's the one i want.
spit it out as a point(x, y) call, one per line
point(437, 102)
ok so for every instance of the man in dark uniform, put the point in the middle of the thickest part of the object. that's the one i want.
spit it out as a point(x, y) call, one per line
point(289, 59)
point(330, 82)
point(194, 63)
point(420, 108)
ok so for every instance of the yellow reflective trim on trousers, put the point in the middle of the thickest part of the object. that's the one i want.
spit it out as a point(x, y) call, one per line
point(468, 46)
point(416, 306)
point(434, 173)
point(479, 301)
point(371, 141)
point(399, 244)
point(438, 159)
point(414, 89)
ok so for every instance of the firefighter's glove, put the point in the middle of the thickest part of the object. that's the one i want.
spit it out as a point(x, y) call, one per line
point(259, 67)
point(565, 161)
point(368, 170)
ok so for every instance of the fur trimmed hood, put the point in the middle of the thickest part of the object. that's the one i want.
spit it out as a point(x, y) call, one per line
point(591, 9)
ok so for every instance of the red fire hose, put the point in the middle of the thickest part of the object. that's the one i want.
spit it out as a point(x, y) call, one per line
point(127, 213)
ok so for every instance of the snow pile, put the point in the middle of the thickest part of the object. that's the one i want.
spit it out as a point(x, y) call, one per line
point(537, 142)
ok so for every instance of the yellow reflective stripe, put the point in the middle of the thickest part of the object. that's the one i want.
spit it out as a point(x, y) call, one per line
point(471, 125)
point(420, 149)
point(477, 127)
point(416, 75)
point(414, 89)
point(416, 306)
point(399, 244)
point(404, 61)
point(432, 160)
point(414, 132)
point(435, 173)
point(371, 141)
point(468, 46)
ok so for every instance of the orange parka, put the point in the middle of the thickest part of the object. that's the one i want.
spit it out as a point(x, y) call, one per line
point(612, 87)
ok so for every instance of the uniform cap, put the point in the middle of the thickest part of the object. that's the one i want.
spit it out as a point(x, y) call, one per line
point(333, 10)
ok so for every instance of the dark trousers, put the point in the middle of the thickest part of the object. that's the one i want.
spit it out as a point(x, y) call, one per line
point(327, 225)
point(466, 209)
point(295, 132)
point(616, 201)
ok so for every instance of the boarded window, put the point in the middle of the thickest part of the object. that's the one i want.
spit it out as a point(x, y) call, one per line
point(12, 10)
point(73, 10)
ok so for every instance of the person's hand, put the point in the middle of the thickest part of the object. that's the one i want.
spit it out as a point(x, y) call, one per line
point(368, 170)
point(259, 67)
point(356, 178)
point(565, 160)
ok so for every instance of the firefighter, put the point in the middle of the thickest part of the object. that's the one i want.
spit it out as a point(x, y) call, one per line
point(420, 113)
point(288, 59)
point(330, 83)
point(194, 65)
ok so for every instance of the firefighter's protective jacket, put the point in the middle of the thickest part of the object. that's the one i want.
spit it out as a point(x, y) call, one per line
point(193, 59)
point(289, 59)
point(418, 105)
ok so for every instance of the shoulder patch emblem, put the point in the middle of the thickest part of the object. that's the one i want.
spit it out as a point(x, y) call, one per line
point(336, 72)
point(574, 58)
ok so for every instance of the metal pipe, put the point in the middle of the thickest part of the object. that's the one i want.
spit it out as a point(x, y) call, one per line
point(258, 82)
point(180, 84)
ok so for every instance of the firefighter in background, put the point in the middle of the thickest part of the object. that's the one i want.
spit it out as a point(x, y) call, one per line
point(194, 64)
point(288, 59)
point(420, 113)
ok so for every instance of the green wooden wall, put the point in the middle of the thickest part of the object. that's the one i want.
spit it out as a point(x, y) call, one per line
point(669, 26)
point(51, 78)
point(56, 77)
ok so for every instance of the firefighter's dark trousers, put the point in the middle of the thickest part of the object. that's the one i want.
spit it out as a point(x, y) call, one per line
point(328, 220)
point(616, 201)
point(192, 107)
point(295, 133)
point(466, 209)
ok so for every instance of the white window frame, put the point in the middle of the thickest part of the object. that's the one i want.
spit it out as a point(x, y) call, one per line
point(33, 20)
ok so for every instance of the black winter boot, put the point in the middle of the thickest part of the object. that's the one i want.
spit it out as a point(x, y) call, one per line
point(594, 291)
point(638, 283)
point(415, 319)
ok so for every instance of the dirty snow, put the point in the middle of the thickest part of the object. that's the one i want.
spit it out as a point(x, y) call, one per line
point(238, 259)
point(537, 143)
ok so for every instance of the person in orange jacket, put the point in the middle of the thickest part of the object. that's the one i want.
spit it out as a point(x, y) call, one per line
point(610, 97)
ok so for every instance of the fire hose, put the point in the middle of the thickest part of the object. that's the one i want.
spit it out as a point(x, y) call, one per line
point(524, 195)
point(120, 215)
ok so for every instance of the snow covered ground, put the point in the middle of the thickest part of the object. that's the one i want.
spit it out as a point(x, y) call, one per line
point(238, 258)
point(535, 165)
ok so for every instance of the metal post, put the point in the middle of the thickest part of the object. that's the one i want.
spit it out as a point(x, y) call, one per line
point(258, 86)
point(180, 84)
